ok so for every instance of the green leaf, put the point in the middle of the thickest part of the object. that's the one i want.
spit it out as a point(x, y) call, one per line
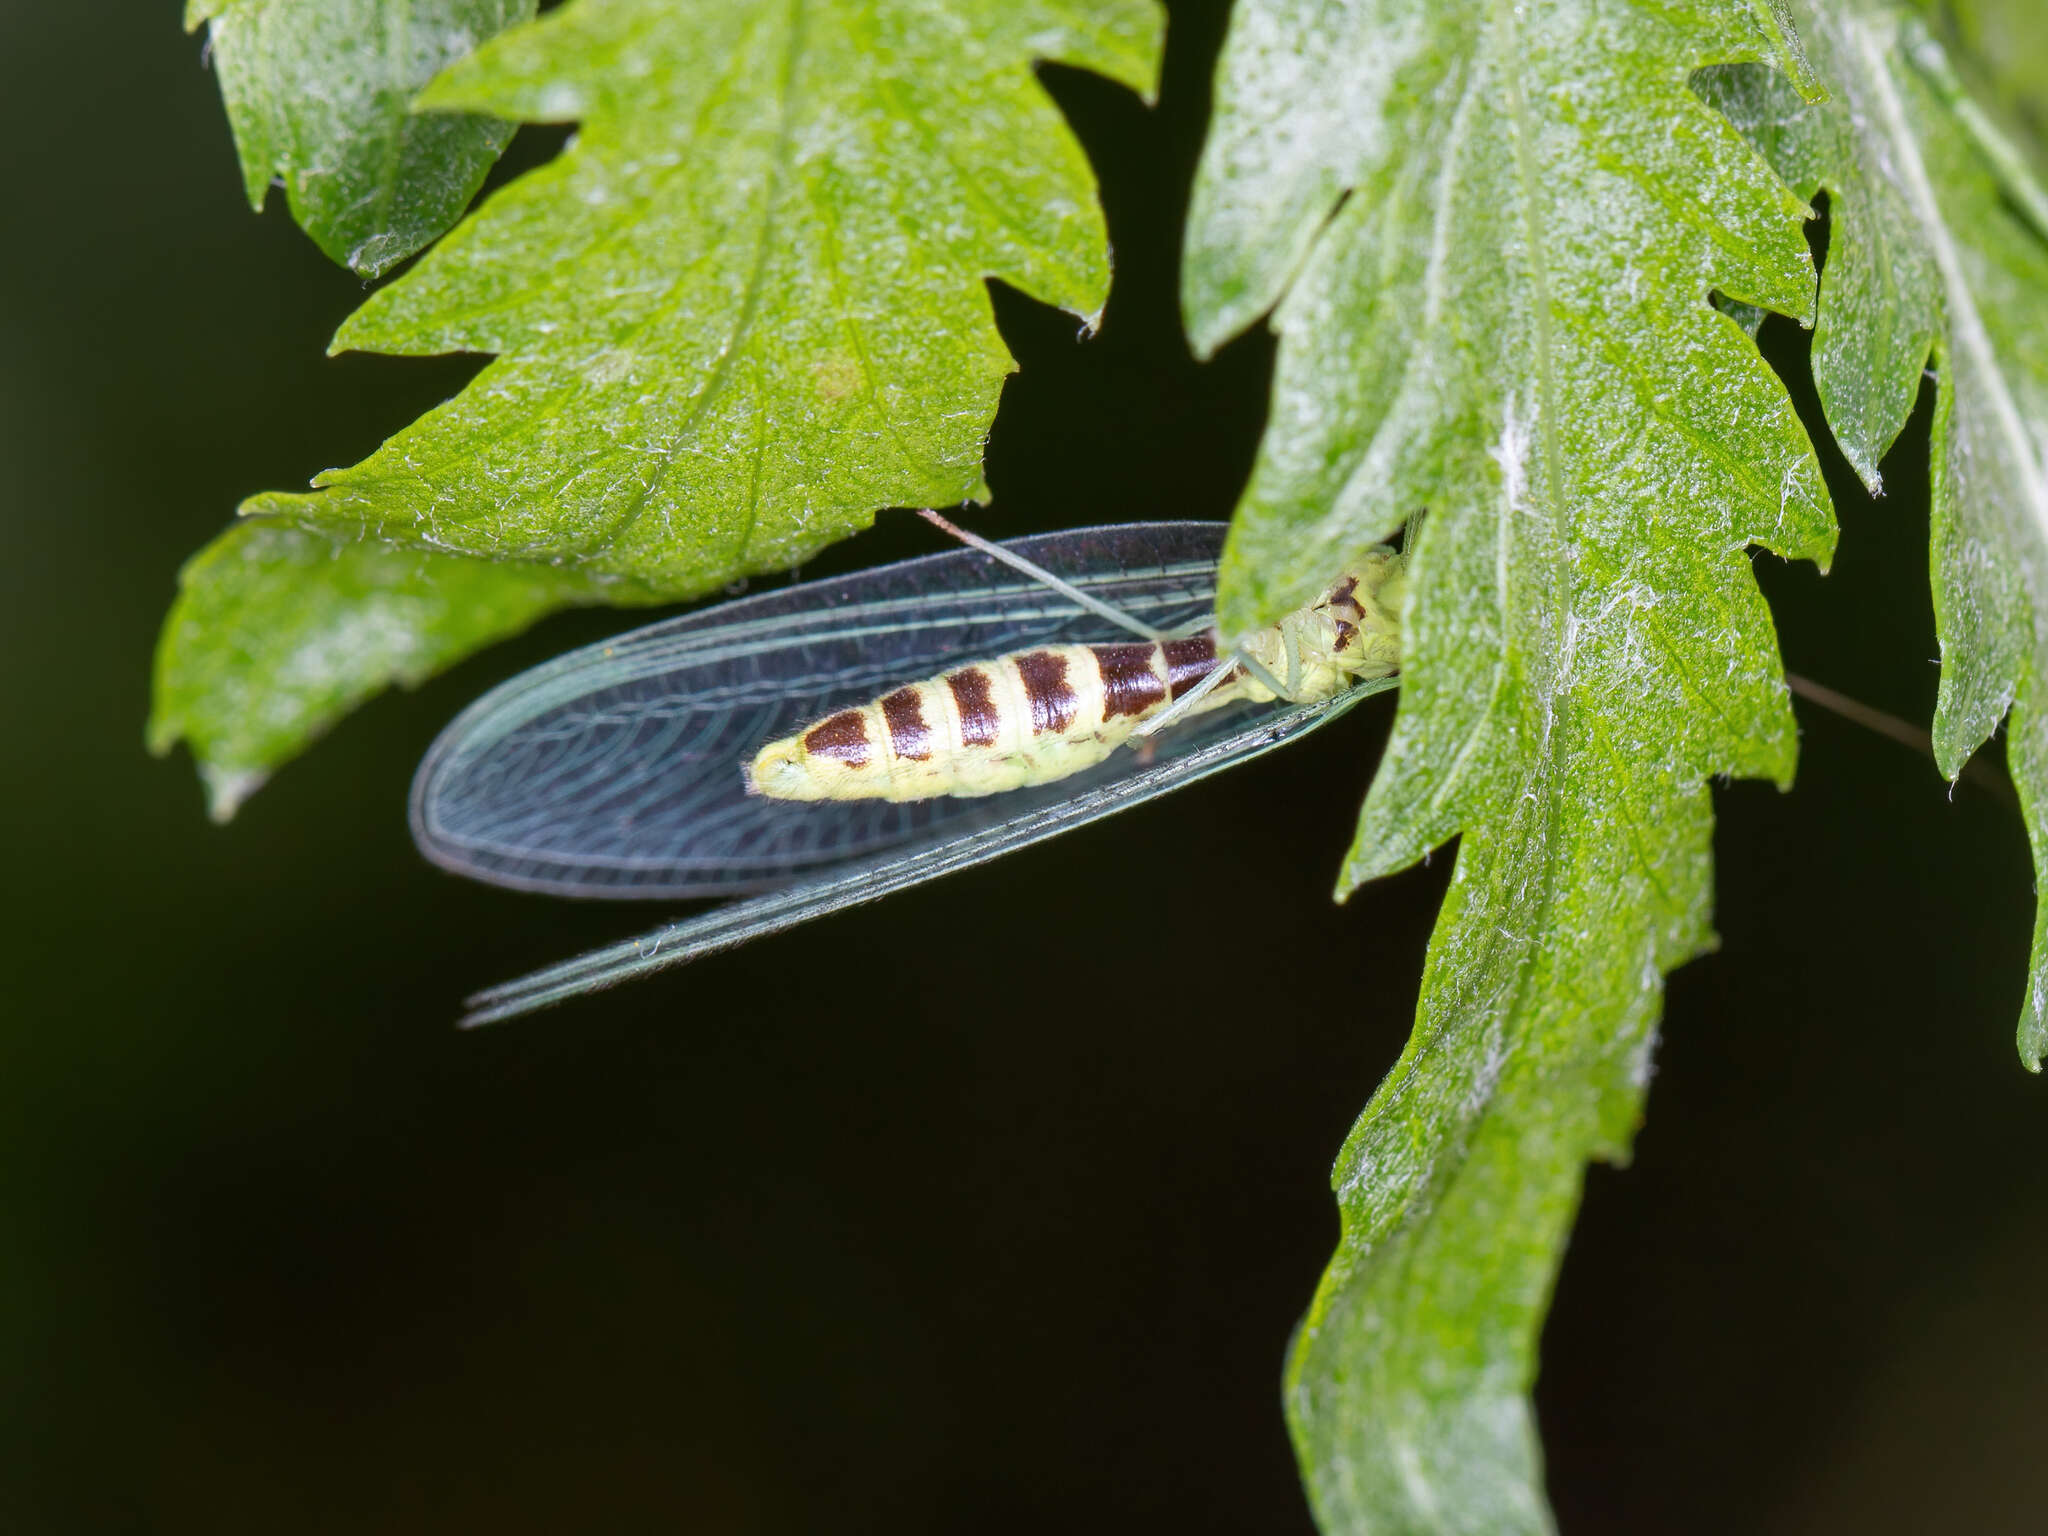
point(1937, 257)
point(746, 309)
point(317, 92)
point(277, 633)
point(743, 311)
point(1507, 327)
point(2002, 49)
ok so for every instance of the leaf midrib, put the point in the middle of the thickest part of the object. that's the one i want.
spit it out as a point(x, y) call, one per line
point(750, 302)
point(743, 317)
point(1527, 175)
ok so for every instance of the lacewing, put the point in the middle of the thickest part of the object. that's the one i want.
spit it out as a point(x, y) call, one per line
point(619, 770)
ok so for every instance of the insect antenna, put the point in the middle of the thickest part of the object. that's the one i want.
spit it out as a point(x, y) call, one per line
point(1976, 771)
point(1039, 573)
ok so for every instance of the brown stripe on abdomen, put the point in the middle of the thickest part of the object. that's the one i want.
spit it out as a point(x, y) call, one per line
point(909, 736)
point(842, 737)
point(979, 722)
point(1188, 661)
point(1044, 676)
point(1130, 686)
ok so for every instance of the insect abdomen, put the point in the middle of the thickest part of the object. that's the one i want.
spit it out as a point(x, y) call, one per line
point(1026, 718)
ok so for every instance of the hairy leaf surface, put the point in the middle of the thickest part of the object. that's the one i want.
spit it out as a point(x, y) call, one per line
point(278, 632)
point(743, 311)
point(746, 308)
point(318, 92)
point(1937, 257)
point(1506, 328)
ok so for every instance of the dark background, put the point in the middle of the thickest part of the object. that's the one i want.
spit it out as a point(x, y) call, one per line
point(737, 1251)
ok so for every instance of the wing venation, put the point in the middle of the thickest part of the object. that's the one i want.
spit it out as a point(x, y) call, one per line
point(615, 770)
point(871, 879)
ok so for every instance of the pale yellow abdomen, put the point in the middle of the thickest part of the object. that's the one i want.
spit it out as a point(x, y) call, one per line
point(1026, 718)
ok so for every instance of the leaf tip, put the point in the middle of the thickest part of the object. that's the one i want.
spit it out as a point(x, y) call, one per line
point(1369, 859)
point(1790, 48)
point(1958, 731)
point(1211, 320)
point(227, 788)
point(1217, 299)
point(268, 505)
point(2032, 1038)
point(371, 258)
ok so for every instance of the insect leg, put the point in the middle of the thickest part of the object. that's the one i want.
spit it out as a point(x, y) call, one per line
point(1252, 665)
point(1217, 675)
point(1039, 573)
point(1187, 701)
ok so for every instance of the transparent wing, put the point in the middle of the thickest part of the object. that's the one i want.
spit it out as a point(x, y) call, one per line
point(869, 879)
point(615, 770)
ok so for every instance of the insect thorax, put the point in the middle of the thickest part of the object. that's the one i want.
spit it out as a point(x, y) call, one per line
point(1349, 634)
